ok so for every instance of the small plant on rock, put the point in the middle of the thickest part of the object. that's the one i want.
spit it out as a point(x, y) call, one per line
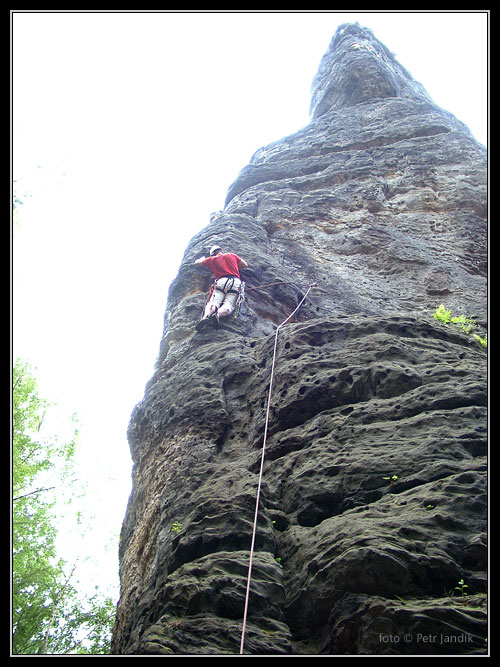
point(174, 622)
point(461, 587)
point(467, 324)
point(391, 478)
point(442, 315)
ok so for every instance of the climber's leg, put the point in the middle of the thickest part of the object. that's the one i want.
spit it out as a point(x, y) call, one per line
point(228, 305)
point(231, 296)
point(214, 304)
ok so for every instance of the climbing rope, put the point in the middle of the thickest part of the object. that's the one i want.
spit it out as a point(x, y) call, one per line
point(281, 282)
point(249, 579)
point(241, 294)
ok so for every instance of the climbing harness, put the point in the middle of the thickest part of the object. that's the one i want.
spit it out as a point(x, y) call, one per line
point(259, 485)
point(229, 281)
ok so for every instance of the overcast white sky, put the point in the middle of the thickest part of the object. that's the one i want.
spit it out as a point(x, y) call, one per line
point(128, 129)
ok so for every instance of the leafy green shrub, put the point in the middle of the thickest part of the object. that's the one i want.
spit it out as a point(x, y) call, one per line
point(467, 324)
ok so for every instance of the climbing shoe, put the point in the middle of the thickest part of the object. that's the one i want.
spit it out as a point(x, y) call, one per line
point(202, 324)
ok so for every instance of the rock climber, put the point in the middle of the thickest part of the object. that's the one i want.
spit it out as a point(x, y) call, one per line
point(225, 267)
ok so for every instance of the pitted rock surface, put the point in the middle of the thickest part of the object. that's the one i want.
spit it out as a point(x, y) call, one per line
point(374, 499)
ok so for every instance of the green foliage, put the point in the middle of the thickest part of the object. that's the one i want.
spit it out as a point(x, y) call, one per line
point(391, 478)
point(467, 324)
point(176, 527)
point(442, 314)
point(461, 587)
point(49, 616)
point(482, 340)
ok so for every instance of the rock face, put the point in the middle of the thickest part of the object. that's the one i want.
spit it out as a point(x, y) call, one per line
point(374, 502)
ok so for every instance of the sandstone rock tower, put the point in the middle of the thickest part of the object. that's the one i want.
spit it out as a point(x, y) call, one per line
point(373, 502)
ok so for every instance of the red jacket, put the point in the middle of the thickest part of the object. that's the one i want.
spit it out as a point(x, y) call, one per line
point(226, 264)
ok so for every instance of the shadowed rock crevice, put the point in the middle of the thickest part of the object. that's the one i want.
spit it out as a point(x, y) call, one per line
point(374, 496)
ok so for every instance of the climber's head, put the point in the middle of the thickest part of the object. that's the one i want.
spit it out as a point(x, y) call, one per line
point(215, 250)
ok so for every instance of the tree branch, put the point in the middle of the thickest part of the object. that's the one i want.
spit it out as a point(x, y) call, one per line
point(47, 488)
point(56, 605)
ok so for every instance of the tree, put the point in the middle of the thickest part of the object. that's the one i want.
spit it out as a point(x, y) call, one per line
point(50, 616)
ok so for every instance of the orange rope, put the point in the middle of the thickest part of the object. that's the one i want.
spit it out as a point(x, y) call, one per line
point(262, 468)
